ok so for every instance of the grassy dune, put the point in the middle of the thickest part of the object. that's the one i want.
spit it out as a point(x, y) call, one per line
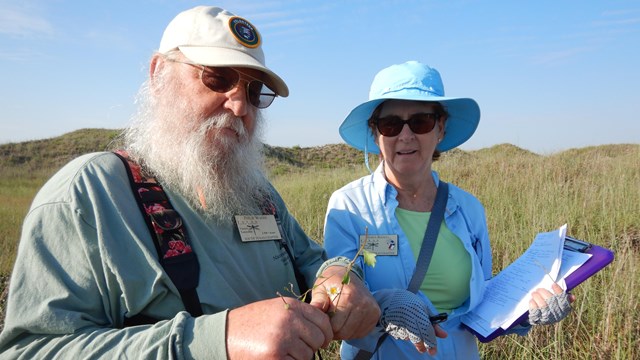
point(595, 190)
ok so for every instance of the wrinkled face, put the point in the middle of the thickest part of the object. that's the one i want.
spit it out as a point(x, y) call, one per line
point(409, 153)
point(202, 103)
point(203, 144)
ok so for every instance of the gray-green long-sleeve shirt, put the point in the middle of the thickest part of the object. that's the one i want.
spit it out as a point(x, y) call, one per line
point(86, 260)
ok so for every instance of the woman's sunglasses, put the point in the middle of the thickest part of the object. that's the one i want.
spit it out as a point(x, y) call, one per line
point(419, 123)
point(223, 79)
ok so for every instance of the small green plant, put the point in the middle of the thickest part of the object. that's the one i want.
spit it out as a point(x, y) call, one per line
point(334, 291)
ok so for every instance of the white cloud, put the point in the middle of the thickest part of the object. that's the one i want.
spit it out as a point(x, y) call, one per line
point(21, 55)
point(23, 22)
point(553, 57)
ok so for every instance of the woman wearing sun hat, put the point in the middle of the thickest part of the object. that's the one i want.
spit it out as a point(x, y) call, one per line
point(390, 210)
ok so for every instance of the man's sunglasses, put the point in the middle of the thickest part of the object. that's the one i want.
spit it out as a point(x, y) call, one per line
point(419, 123)
point(223, 79)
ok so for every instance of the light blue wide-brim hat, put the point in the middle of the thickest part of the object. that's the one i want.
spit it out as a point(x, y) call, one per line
point(411, 81)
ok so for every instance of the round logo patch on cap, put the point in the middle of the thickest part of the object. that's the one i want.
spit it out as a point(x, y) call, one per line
point(244, 32)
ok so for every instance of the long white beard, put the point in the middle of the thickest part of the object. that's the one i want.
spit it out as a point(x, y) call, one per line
point(220, 175)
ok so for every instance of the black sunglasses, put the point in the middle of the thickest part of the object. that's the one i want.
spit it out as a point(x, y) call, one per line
point(223, 79)
point(419, 123)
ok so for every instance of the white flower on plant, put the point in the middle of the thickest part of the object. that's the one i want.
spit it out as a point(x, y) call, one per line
point(333, 291)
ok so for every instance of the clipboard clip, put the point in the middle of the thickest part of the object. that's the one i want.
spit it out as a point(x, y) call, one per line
point(573, 244)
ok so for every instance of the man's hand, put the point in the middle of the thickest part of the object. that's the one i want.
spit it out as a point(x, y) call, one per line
point(353, 312)
point(269, 330)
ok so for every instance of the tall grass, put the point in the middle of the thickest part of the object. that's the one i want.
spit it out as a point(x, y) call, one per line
point(16, 195)
point(595, 190)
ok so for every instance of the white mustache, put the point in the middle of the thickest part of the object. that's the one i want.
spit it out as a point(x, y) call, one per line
point(228, 121)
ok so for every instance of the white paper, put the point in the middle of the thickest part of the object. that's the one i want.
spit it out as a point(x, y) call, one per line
point(571, 261)
point(507, 294)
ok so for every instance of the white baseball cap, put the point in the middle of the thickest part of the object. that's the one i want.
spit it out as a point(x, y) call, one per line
point(212, 36)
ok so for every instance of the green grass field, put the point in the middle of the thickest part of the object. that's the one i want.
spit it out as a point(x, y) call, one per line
point(595, 190)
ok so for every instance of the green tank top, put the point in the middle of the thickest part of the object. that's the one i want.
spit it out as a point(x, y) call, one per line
point(446, 283)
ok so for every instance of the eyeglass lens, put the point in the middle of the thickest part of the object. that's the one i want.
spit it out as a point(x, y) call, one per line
point(224, 79)
point(419, 123)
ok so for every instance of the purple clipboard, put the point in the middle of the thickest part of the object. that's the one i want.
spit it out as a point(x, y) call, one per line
point(600, 258)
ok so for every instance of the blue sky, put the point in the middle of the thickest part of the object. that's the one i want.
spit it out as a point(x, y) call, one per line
point(548, 75)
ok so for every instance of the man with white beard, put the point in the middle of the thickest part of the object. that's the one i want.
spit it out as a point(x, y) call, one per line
point(88, 281)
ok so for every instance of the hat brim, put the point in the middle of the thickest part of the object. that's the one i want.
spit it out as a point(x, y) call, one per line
point(215, 56)
point(464, 116)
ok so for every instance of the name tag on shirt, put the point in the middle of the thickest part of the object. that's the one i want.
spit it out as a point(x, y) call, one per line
point(381, 244)
point(257, 228)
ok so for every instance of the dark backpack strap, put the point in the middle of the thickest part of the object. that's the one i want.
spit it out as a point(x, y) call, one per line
point(424, 257)
point(269, 208)
point(430, 237)
point(170, 238)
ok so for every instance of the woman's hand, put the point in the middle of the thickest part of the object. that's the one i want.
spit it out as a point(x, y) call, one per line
point(546, 308)
point(405, 316)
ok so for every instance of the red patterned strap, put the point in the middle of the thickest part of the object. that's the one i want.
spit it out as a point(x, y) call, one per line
point(168, 232)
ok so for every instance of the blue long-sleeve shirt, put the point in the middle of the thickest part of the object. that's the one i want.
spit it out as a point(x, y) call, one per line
point(370, 203)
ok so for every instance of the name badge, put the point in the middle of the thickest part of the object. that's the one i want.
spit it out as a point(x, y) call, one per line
point(381, 244)
point(257, 227)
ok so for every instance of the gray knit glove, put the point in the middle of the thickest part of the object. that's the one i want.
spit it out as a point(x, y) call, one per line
point(558, 307)
point(406, 316)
